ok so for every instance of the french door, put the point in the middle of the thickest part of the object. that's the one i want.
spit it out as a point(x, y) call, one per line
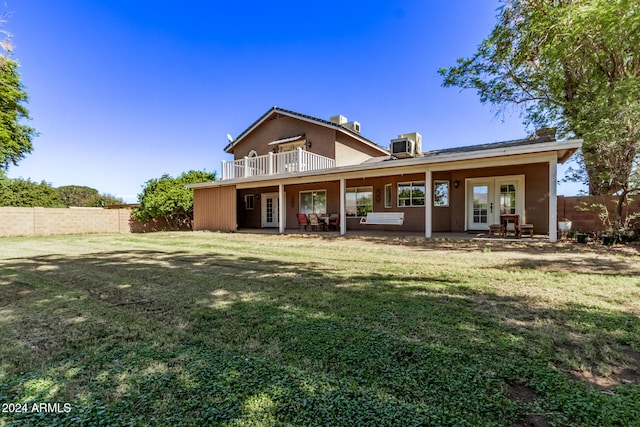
point(270, 210)
point(488, 198)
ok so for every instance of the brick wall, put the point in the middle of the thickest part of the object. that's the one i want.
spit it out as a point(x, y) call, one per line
point(589, 221)
point(48, 221)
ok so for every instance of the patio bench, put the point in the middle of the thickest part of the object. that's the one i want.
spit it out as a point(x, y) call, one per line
point(496, 229)
point(384, 218)
point(526, 228)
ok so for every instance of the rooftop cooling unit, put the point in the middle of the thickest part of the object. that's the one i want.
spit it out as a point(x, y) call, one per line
point(403, 148)
point(354, 126)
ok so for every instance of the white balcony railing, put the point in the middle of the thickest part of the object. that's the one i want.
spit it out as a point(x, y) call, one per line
point(271, 164)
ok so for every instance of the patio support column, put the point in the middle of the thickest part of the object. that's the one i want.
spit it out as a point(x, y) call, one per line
point(553, 199)
point(343, 210)
point(281, 206)
point(428, 187)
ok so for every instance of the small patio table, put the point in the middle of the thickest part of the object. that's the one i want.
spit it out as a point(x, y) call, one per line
point(506, 219)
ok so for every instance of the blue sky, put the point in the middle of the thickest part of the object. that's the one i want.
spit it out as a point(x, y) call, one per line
point(123, 91)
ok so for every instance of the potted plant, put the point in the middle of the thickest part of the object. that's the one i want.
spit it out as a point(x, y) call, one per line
point(609, 238)
point(582, 237)
point(564, 227)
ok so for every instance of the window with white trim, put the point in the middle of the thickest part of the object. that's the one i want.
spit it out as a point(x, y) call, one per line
point(388, 201)
point(507, 199)
point(359, 201)
point(411, 194)
point(313, 202)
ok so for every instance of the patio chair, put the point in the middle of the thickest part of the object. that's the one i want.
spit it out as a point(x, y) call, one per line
point(302, 221)
point(314, 222)
point(334, 222)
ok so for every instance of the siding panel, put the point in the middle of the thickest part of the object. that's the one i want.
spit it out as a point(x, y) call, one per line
point(215, 209)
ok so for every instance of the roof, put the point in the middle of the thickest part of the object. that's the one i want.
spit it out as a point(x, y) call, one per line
point(504, 145)
point(321, 122)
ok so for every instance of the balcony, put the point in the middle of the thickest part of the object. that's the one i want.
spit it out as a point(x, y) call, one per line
point(273, 164)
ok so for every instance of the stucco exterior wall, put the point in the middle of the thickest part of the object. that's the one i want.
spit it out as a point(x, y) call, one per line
point(349, 151)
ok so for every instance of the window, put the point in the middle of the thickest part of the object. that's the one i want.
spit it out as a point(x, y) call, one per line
point(507, 199)
point(359, 201)
point(248, 201)
point(313, 202)
point(387, 196)
point(480, 204)
point(441, 193)
point(292, 146)
point(411, 194)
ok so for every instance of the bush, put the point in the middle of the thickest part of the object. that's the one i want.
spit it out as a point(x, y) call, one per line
point(167, 198)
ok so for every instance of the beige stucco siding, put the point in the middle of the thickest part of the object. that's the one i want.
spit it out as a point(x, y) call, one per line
point(347, 154)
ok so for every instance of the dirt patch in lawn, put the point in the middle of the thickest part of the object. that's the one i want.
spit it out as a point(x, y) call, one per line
point(620, 374)
point(523, 394)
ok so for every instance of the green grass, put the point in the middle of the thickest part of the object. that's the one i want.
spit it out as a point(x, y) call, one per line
point(238, 329)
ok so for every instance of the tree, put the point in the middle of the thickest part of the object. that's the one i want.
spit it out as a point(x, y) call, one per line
point(573, 65)
point(15, 136)
point(26, 193)
point(78, 195)
point(167, 198)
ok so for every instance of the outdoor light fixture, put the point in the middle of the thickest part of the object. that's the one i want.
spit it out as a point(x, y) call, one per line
point(456, 184)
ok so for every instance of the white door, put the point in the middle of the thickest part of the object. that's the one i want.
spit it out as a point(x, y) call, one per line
point(480, 210)
point(270, 210)
point(488, 198)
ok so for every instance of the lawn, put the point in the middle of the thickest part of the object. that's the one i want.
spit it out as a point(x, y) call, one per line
point(239, 329)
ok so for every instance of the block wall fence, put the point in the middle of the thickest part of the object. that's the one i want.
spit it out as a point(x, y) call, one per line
point(571, 208)
point(51, 221)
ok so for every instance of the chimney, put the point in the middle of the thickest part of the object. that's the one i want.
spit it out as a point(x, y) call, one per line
point(546, 134)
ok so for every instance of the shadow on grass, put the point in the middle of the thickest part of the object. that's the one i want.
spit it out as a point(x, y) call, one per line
point(515, 245)
point(172, 338)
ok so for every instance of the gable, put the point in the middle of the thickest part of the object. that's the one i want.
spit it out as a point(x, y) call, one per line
point(320, 135)
point(284, 131)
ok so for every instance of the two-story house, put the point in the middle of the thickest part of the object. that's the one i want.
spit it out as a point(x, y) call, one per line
point(288, 163)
